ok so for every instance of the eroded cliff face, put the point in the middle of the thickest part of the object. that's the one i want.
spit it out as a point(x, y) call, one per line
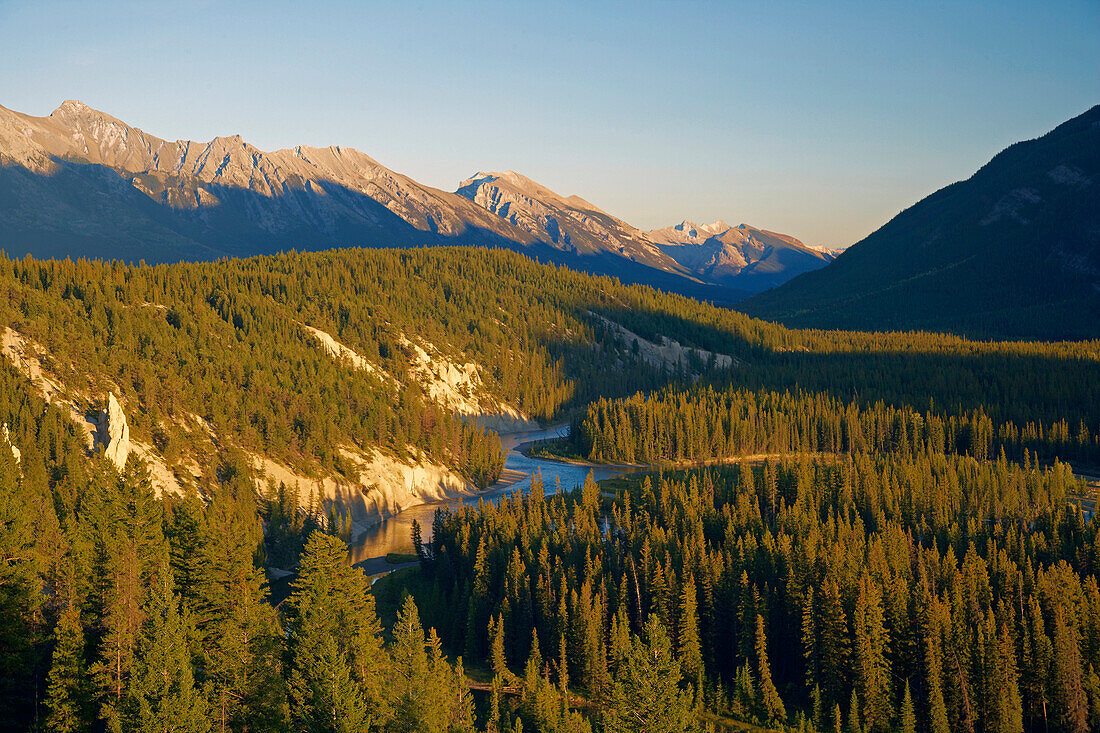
point(108, 429)
point(459, 387)
point(114, 433)
point(668, 353)
point(384, 485)
point(15, 452)
point(454, 385)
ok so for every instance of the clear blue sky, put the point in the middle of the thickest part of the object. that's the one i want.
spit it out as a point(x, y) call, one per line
point(817, 120)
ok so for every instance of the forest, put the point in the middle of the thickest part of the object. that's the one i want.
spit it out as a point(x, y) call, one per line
point(705, 424)
point(871, 593)
point(909, 550)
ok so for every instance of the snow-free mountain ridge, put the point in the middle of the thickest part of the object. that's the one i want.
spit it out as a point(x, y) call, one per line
point(1011, 252)
point(80, 182)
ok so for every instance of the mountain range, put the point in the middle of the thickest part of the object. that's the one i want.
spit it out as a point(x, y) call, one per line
point(1011, 252)
point(83, 183)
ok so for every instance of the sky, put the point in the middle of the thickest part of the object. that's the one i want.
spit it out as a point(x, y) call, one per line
point(819, 120)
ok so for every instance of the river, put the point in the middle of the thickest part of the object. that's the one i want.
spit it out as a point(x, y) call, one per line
point(395, 534)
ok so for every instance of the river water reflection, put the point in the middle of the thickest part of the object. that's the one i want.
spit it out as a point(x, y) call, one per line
point(394, 534)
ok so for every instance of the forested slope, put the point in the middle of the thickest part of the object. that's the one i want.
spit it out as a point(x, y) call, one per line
point(123, 606)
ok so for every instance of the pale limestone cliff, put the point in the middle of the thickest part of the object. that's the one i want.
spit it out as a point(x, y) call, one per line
point(114, 433)
point(459, 387)
point(15, 452)
point(340, 352)
point(384, 486)
point(668, 352)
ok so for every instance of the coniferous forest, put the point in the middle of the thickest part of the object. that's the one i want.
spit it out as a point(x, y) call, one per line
point(842, 531)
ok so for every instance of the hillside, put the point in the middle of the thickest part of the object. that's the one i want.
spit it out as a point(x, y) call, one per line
point(366, 378)
point(170, 433)
point(1012, 252)
point(362, 375)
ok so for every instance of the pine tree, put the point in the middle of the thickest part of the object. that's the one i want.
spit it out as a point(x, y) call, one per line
point(908, 722)
point(336, 658)
point(1069, 694)
point(163, 696)
point(422, 693)
point(689, 648)
point(810, 642)
point(69, 698)
point(834, 646)
point(498, 661)
point(125, 524)
point(872, 666)
point(818, 709)
point(645, 694)
point(937, 708)
point(532, 670)
point(243, 665)
point(773, 707)
point(1003, 687)
point(854, 726)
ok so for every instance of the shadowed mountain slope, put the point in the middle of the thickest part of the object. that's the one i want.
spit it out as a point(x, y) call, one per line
point(1012, 252)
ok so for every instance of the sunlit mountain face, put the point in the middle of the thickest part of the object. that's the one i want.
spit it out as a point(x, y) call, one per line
point(83, 183)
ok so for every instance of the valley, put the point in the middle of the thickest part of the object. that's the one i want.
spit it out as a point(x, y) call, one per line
point(549, 367)
point(278, 427)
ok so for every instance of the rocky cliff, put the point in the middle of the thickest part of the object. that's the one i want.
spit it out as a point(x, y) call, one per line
point(114, 433)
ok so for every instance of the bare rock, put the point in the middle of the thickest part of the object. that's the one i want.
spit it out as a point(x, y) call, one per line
point(15, 452)
point(114, 433)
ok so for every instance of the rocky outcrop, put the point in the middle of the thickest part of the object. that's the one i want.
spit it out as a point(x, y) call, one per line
point(340, 352)
point(114, 433)
point(567, 223)
point(384, 484)
point(25, 356)
point(459, 387)
point(667, 353)
point(15, 452)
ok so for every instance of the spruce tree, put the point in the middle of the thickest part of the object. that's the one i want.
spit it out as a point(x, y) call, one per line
point(689, 648)
point(336, 658)
point(68, 694)
point(163, 696)
point(908, 723)
point(646, 694)
point(873, 668)
point(242, 660)
point(425, 694)
point(774, 710)
point(1069, 693)
point(498, 661)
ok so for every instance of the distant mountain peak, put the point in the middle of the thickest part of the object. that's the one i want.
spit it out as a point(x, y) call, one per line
point(741, 256)
point(71, 105)
point(80, 182)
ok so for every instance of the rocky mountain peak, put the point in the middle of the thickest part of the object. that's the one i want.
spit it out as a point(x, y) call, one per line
point(70, 106)
point(226, 196)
